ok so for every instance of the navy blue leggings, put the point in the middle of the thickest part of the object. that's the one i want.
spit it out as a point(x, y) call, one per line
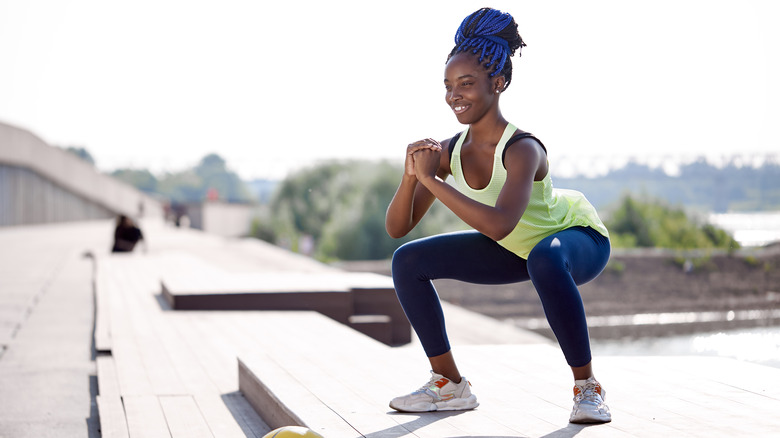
point(555, 266)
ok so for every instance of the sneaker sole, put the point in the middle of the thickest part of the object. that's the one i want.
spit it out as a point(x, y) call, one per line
point(466, 404)
point(591, 420)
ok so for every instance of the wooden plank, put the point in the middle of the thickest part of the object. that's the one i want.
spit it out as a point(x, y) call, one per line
point(177, 366)
point(131, 373)
point(102, 311)
point(266, 402)
point(113, 423)
point(383, 301)
point(189, 370)
point(142, 311)
point(145, 417)
point(118, 320)
point(108, 380)
point(210, 349)
point(230, 415)
point(295, 343)
point(184, 417)
point(280, 398)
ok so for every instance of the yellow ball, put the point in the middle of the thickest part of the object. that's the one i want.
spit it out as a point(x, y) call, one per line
point(292, 432)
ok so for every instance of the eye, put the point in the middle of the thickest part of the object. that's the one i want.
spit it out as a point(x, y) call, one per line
point(466, 84)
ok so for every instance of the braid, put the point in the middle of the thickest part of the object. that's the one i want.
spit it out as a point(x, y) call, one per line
point(492, 34)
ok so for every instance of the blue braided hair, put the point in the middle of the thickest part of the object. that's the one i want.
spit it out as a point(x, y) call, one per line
point(493, 34)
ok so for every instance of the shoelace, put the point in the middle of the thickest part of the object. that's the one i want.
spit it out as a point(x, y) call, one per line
point(427, 386)
point(589, 394)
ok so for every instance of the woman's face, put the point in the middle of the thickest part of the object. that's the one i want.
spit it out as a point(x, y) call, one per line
point(471, 92)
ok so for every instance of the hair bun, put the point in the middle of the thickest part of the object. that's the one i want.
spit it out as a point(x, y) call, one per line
point(493, 34)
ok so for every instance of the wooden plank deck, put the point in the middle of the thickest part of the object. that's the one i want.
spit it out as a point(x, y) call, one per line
point(523, 390)
point(364, 301)
point(163, 372)
point(160, 374)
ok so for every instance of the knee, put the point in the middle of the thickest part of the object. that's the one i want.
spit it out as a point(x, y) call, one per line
point(404, 258)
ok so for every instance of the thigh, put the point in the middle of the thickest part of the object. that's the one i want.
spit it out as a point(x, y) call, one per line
point(467, 256)
point(582, 251)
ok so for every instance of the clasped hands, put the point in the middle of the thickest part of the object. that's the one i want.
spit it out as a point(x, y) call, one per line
point(423, 158)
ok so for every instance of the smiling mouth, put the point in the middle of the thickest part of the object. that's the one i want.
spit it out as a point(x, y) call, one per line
point(460, 108)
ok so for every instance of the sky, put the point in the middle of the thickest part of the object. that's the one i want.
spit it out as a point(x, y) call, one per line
point(274, 87)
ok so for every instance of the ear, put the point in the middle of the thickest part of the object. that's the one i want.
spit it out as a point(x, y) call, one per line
point(499, 82)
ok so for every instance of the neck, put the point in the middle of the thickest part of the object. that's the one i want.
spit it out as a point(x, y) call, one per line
point(489, 127)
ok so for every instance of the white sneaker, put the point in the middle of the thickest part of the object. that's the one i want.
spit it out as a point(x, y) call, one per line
point(589, 406)
point(439, 394)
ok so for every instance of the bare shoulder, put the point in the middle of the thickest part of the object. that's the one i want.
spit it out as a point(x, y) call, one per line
point(528, 143)
point(526, 155)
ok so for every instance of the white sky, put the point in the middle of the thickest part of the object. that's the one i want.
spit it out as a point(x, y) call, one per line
point(274, 86)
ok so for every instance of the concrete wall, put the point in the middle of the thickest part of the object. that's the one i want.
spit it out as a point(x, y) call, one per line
point(40, 184)
point(230, 220)
point(221, 218)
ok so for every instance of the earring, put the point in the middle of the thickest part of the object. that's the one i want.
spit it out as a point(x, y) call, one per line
point(498, 91)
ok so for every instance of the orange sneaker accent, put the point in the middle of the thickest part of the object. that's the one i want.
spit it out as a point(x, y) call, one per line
point(597, 389)
point(441, 382)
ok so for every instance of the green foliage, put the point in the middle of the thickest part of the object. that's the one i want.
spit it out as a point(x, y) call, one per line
point(261, 227)
point(190, 185)
point(141, 179)
point(182, 187)
point(81, 153)
point(616, 267)
point(689, 264)
point(214, 174)
point(342, 206)
point(654, 224)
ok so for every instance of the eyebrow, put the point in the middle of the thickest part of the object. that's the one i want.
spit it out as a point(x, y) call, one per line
point(461, 77)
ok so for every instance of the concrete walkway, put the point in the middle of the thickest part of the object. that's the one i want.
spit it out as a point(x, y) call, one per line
point(47, 368)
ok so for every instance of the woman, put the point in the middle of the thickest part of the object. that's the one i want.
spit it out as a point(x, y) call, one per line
point(523, 229)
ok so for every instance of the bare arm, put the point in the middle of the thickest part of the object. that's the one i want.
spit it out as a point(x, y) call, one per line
point(412, 200)
point(523, 161)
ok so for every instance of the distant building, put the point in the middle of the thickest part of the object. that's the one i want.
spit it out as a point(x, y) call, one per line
point(43, 184)
point(221, 218)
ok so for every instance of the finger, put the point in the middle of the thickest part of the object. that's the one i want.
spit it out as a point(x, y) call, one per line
point(433, 142)
point(413, 149)
point(424, 144)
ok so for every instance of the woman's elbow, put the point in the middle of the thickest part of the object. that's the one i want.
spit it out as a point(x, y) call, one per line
point(394, 231)
point(497, 235)
point(499, 231)
point(395, 235)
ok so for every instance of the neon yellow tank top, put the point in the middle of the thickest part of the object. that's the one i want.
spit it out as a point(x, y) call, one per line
point(549, 210)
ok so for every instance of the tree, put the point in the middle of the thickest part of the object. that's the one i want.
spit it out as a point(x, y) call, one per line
point(141, 179)
point(653, 224)
point(342, 205)
point(214, 174)
point(81, 153)
point(190, 185)
point(182, 187)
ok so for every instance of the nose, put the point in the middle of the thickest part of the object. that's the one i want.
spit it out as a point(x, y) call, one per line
point(453, 96)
